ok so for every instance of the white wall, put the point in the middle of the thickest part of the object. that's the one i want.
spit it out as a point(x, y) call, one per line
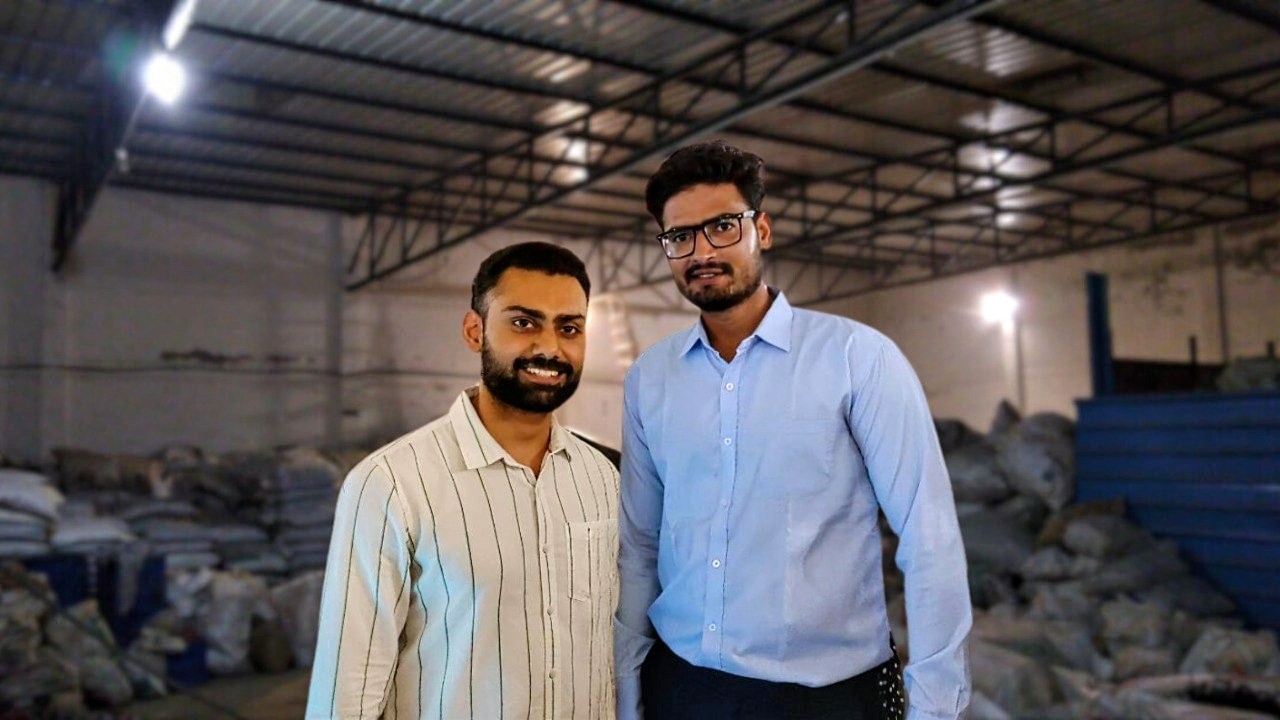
point(1160, 295)
point(26, 214)
point(82, 355)
point(153, 276)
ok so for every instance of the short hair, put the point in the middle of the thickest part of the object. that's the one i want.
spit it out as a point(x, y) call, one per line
point(537, 256)
point(713, 162)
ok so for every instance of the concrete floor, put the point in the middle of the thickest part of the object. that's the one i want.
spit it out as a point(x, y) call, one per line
point(254, 697)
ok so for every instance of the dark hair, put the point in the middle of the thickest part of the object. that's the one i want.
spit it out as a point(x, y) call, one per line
point(713, 162)
point(537, 256)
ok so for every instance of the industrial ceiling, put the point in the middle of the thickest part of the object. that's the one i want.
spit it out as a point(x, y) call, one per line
point(905, 140)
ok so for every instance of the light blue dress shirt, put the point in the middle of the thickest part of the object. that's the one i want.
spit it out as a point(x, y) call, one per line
point(748, 522)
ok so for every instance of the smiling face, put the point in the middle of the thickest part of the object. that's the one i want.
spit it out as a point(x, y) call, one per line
point(533, 340)
point(716, 279)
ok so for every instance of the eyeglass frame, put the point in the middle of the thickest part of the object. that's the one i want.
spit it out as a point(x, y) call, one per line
point(739, 217)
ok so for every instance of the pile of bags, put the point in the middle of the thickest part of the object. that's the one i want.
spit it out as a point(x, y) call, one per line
point(245, 625)
point(244, 536)
point(1250, 375)
point(270, 514)
point(1079, 613)
point(56, 664)
point(65, 663)
point(29, 505)
point(303, 493)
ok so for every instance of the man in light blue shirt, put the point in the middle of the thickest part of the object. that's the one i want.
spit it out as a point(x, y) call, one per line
point(758, 447)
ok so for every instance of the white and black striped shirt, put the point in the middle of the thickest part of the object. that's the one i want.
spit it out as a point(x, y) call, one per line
point(458, 585)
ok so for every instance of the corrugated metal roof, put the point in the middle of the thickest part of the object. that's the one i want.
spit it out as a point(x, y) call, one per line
point(1023, 112)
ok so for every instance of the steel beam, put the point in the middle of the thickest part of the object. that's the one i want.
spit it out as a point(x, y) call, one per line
point(759, 86)
point(954, 139)
point(904, 280)
point(117, 104)
point(1172, 83)
point(969, 192)
point(1262, 12)
point(1116, 60)
point(495, 35)
point(544, 90)
point(506, 185)
point(804, 104)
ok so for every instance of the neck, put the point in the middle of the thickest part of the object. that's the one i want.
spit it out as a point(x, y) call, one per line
point(524, 435)
point(727, 328)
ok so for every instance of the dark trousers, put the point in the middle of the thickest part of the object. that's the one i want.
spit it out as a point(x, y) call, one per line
point(674, 689)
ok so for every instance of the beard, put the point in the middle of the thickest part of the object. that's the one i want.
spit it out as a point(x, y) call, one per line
point(719, 299)
point(504, 382)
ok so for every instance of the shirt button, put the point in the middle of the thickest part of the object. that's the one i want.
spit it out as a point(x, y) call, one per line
point(715, 563)
point(546, 549)
point(712, 627)
point(549, 611)
point(728, 386)
point(724, 503)
point(728, 441)
point(553, 674)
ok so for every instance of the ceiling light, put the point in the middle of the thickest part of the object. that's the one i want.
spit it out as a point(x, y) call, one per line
point(568, 72)
point(178, 24)
point(164, 78)
point(562, 111)
point(576, 150)
point(998, 307)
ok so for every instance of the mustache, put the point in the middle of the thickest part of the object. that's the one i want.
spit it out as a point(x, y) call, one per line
point(725, 268)
point(536, 363)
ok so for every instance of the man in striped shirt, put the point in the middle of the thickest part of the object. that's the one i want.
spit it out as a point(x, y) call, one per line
point(473, 567)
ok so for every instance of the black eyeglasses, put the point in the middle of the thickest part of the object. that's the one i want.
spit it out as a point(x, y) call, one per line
point(721, 231)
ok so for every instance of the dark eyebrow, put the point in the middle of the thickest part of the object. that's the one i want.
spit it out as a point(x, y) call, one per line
point(536, 314)
point(539, 315)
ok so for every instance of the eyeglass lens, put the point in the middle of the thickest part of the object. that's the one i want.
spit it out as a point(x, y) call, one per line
point(721, 232)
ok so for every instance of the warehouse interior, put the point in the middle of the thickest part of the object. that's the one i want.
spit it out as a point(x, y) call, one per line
point(264, 278)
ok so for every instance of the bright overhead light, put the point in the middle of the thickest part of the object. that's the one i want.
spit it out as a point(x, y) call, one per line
point(576, 150)
point(164, 78)
point(178, 24)
point(562, 111)
point(998, 307)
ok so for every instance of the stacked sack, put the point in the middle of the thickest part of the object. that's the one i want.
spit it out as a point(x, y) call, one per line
point(224, 489)
point(242, 537)
point(302, 496)
point(29, 505)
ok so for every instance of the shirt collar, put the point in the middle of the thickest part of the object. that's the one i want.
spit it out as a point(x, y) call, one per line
point(479, 449)
point(697, 334)
point(774, 327)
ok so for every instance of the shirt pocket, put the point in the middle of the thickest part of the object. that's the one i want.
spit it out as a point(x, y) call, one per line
point(593, 561)
point(798, 458)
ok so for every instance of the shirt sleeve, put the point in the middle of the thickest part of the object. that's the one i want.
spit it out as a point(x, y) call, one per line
point(365, 599)
point(639, 518)
point(892, 425)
